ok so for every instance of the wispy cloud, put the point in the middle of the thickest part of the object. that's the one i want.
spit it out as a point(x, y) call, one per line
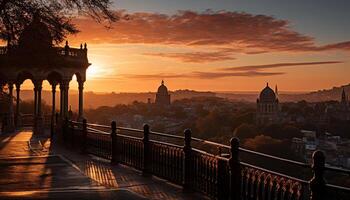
point(237, 30)
point(202, 75)
point(277, 65)
point(196, 57)
point(214, 75)
point(240, 71)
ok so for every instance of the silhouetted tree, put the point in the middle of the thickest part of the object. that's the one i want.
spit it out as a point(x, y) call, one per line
point(56, 14)
point(245, 131)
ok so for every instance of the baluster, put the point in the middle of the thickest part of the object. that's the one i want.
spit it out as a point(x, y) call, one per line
point(114, 144)
point(317, 183)
point(187, 160)
point(255, 185)
point(260, 191)
point(235, 170)
point(222, 189)
point(244, 184)
point(84, 134)
point(146, 150)
point(267, 187)
point(273, 188)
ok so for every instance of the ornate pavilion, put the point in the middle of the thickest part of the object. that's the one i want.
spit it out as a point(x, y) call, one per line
point(37, 59)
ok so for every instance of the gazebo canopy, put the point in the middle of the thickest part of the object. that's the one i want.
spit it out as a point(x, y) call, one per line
point(36, 58)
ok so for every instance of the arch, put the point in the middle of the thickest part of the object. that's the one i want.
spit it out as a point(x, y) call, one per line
point(24, 75)
point(54, 77)
point(79, 76)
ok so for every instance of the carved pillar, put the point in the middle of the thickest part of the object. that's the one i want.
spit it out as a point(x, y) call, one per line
point(18, 115)
point(10, 118)
point(39, 89)
point(64, 86)
point(81, 100)
point(38, 118)
point(53, 100)
point(52, 127)
point(61, 99)
point(35, 102)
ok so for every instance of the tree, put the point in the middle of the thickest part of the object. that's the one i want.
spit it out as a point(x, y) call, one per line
point(245, 131)
point(15, 15)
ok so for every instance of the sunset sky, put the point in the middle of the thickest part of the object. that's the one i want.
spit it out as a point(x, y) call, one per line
point(219, 45)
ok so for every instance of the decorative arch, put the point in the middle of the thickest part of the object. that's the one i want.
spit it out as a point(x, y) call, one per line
point(54, 77)
point(24, 75)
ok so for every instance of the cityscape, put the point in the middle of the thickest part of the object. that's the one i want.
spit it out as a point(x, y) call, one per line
point(117, 99)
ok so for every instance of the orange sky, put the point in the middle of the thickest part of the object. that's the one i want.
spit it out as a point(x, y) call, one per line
point(208, 51)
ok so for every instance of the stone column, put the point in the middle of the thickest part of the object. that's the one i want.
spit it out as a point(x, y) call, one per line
point(64, 86)
point(18, 115)
point(38, 118)
point(81, 100)
point(53, 100)
point(39, 88)
point(61, 99)
point(53, 112)
point(10, 118)
point(35, 101)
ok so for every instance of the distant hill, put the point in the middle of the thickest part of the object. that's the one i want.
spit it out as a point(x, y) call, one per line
point(328, 94)
point(94, 100)
point(316, 96)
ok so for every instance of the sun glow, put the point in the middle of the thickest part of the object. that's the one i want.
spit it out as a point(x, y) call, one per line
point(92, 71)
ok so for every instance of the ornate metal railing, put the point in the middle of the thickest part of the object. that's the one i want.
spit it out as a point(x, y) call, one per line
point(218, 176)
point(28, 120)
point(62, 51)
point(71, 52)
point(3, 50)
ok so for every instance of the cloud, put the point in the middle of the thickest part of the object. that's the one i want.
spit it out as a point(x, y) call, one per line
point(214, 75)
point(277, 65)
point(196, 57)
point(240, 71)
point(154, 76)
point(202, 75)
point(237, 30)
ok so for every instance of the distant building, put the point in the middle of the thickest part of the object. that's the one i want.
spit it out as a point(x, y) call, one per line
point(267, 106)
point(162, 96)
point(337, 149)
point(340, 110)
point(344, 101)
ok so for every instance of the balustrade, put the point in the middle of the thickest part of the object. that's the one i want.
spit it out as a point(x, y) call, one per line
point(216, 176)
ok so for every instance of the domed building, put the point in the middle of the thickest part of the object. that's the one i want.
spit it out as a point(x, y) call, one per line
point(267, 106)
point(162, 96)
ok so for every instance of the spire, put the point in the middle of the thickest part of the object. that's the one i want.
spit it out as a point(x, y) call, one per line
point(343, 96)
point(162, 82)
point(276, 90)
point(267, 84)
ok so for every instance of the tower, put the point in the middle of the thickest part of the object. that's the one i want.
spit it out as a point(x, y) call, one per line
point(162, 96)
point(267, 106)
point(343, 97)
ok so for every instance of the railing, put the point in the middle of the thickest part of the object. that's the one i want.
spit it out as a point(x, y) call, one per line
point(28, 120)
point(218, 176)
point(3, 50)
point(71, 52)
point(62, 51)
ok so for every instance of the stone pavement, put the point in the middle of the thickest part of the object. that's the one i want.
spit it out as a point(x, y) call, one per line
point(33, 168)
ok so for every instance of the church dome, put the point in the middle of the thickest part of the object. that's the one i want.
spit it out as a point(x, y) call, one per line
point(267, 95)
point(162, 89)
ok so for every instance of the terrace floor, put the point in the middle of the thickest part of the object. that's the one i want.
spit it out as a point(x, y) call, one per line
point(33, 168)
